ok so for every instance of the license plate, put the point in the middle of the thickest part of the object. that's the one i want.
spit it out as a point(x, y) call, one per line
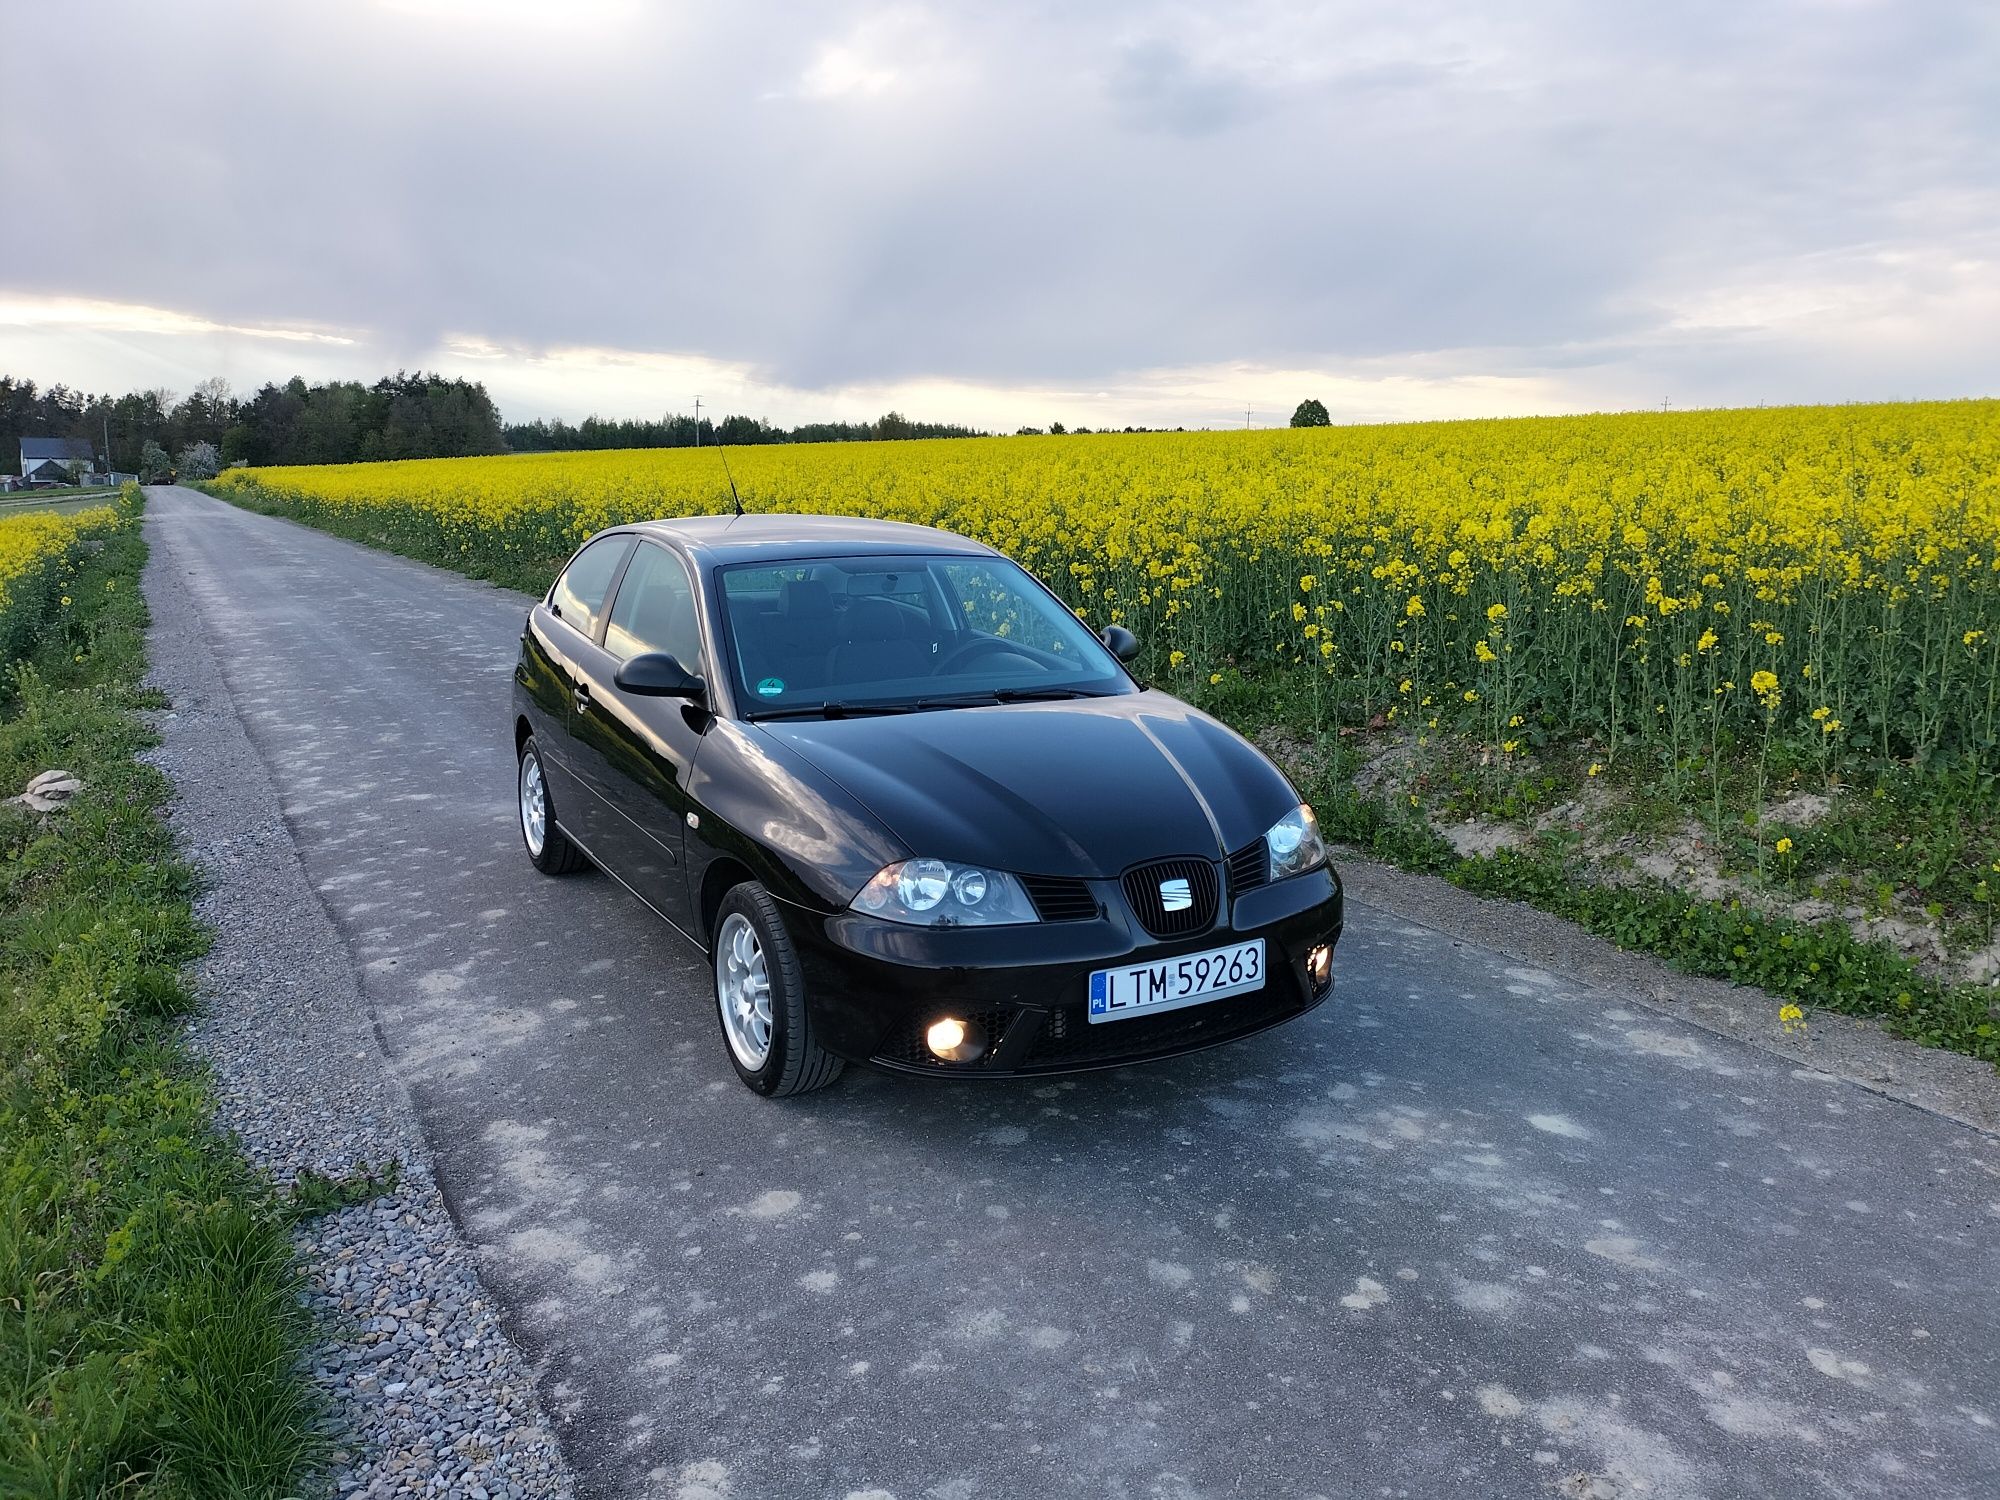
point(1147, 989)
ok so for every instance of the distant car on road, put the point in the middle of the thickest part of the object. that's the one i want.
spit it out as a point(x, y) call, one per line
point(916, 814)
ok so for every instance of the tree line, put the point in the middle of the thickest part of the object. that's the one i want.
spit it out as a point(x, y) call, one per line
point(677, 431)
point(153, 433)
point(342, 421)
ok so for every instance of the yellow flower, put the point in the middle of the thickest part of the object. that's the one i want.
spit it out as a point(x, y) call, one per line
point(1784, 846)
point(1177, 658)
point(1214, 678)
point(1471, 696)
point(1707, 641)
point(1307, 584)
point(1496, 611)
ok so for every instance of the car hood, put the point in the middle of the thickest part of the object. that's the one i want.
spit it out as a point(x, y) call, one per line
point(1085, 787)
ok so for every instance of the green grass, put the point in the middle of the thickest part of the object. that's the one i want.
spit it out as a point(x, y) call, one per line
point(150, 1322)
point(61, 502)
point(1819, 964)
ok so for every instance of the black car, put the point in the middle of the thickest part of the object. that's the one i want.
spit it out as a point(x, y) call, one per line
point(917, 814)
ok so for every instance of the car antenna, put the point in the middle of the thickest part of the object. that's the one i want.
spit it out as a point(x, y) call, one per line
point(725, 466)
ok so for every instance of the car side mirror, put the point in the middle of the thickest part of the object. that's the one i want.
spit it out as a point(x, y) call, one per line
point(659, 674)
point(1120, 642)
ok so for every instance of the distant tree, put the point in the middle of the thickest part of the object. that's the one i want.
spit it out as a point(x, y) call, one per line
point(1311, 413)
point(154, 464)
point(1027, 432)
point(199, 461)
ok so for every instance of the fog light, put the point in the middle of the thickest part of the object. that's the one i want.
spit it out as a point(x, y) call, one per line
point(954, 1040)
point(1319, 966)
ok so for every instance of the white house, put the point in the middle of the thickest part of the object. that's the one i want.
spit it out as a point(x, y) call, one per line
point(55, 460)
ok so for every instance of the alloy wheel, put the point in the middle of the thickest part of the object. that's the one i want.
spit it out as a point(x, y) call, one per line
point(743, 991)
point(534, 804)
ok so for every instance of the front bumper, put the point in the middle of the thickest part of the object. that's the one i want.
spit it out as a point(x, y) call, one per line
point(875, 987)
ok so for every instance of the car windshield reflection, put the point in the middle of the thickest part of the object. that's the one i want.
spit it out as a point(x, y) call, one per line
point(851, 636)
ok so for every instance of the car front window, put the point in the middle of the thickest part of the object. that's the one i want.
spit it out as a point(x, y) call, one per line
point(883, 633)
point(578, 597)
point(655, 610)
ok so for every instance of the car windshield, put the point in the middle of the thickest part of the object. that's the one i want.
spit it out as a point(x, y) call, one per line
point(837, 635)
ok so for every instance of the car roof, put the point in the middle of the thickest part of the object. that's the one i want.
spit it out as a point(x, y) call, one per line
point(778, 537)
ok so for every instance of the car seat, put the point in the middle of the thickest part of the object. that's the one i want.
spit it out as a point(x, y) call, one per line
point(876, 647)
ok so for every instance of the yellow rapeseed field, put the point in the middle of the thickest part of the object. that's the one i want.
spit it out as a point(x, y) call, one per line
point(35, 550)
point(1827, 576)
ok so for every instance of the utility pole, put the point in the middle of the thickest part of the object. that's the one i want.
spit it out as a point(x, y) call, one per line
point(107, 443)
point(1246, 417)
point(697, 421)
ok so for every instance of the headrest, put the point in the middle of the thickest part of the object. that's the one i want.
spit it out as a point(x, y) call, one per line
point(874, 620)
point(805, 599)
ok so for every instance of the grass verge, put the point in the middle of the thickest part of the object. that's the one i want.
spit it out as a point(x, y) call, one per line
point(150, 1322)
point(1820, 964)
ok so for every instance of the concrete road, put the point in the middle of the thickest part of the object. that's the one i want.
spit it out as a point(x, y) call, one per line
point(1469, 1230)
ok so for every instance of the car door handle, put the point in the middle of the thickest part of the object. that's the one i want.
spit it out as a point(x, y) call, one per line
point(582, 699)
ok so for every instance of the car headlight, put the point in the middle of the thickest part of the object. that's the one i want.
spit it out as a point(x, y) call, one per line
point(938, 893)
point(1294, 844)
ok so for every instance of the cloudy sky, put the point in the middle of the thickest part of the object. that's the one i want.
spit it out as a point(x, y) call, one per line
point(1088, 211)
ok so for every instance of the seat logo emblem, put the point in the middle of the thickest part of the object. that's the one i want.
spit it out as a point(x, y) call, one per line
point(1176, 895)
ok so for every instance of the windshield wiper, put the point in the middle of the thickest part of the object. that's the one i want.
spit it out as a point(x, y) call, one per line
point(983, 698)
point(834, 710)
point(1036, 695)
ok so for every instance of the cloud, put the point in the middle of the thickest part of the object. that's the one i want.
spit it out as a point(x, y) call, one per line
point(1157, 86)
point(1581, 204)
point(842, 70)
point(86, 314)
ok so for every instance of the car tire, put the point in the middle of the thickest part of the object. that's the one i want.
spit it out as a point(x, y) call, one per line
point(549, 848)
point(753, 961)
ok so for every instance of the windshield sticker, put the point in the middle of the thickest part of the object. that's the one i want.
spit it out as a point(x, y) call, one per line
point(770, 687)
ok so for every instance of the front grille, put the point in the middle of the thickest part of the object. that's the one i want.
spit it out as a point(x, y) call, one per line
point(906, 1044)
point(1143, 894)
point(1249, 867)
point(1067, 1038)
point(1059, 898)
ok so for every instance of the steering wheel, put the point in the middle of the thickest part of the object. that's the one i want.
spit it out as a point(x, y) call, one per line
point(982, 645)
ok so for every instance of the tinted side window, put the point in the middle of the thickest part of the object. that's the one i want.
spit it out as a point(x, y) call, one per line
point(655, 610)
point(579, 593)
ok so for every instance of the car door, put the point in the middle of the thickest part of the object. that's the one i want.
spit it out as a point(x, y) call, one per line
point(635, 754)
point(558, 628)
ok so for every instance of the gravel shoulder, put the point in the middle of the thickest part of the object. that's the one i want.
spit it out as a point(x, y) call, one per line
point(427, 1394)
